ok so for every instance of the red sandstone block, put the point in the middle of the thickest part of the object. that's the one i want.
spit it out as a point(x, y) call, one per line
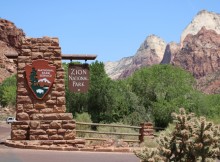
point(43, 137)
point(46, 142)
point(49, 102)
point(34, 124)
point(59, 142)
point(23, 99)
point(65, 116)
point(28, 106)
point(46, 110)
point(51, 131)
point(69, 126)
point(21, 123)
point(55, 125)
point(22, 116)
point(18, 134)
point(56, 137)
point(24, 59)
point(61, 131)
point(37, 132)
point(39, 105)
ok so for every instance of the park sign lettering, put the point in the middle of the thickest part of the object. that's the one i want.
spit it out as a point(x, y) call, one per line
point(78, 77)
point(40, 77)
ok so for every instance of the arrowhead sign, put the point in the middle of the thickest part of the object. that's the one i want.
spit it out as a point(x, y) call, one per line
point(40, 77)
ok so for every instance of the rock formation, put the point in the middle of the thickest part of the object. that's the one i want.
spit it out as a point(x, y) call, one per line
point(200, 53)
point(10, 38)
point(150, 52)
point(170, 52)
point(209, 20)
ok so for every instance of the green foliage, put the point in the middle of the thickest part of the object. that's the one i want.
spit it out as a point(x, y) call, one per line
point(118, 130)
point(162, 89)
point(193, 139)
point(8, 91)
point(33, 77)
point(100, 92)
point(107, 100)
point(150, 94)
point(83, 117)
point(75, 102)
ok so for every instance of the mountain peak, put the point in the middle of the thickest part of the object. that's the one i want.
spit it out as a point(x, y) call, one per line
point(204, 18)
point(150, 52)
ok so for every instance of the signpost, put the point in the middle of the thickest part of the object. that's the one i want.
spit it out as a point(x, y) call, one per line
point(78, 77)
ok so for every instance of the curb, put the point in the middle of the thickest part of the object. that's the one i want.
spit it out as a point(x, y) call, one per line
point(28, 145)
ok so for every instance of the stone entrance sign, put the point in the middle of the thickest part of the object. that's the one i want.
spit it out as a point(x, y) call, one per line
point(78, 77)
point(40, 77)
point(41, 115)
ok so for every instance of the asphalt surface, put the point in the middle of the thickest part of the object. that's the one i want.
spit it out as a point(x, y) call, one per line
point(4, 131)
point(8, 154)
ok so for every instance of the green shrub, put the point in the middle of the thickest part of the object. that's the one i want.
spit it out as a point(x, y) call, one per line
point(8, 91)
point(83, 117)
point(193, 139)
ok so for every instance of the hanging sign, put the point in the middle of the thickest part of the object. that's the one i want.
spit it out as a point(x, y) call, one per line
point(40, 77)
point(78, 77)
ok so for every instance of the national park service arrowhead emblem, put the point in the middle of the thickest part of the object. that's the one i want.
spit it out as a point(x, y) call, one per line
point(40, 77)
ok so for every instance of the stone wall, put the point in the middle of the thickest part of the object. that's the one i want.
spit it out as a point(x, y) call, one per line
point(42, 119)
point(54, 102)
point(43, 130)
point(147, 130)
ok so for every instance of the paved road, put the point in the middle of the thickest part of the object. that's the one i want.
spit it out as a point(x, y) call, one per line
point(4, 131)
point(21, 155)
point(8, 154)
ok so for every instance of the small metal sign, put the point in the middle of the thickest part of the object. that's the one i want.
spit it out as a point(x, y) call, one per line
point(40, 77)
point(78, 77)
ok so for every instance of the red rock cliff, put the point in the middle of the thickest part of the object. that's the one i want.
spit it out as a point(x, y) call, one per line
point(10, 38)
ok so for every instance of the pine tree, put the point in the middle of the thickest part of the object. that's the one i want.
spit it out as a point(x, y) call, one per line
point(33, 77)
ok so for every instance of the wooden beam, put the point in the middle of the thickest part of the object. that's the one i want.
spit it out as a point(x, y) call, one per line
point(108, 125)
point(78, 57)
point(64, 56)
point(111, 133)
point(106, 139)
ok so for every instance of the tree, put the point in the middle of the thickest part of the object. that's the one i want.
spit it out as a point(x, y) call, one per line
point(33, 77)
point(8, 91)
point(162, 89)
point(75, 102)
point(99, 98)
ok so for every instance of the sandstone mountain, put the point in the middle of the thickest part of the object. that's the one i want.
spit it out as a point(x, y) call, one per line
point(10, 37)
point(200, 55)
point(209, 20)
point(198, 52)
point(150, 52)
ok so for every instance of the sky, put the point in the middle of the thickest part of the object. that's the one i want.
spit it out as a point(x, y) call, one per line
point(111, 29)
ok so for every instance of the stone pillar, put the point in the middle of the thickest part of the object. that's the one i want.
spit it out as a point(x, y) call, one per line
point(41, 119)
point(28, 107)
point(147, 130)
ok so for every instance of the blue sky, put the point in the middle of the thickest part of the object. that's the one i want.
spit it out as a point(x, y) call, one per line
point(112, 29)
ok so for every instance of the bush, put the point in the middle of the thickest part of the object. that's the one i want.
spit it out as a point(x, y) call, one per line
point(8, 91)
point(83, 117)
point(193, 139)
